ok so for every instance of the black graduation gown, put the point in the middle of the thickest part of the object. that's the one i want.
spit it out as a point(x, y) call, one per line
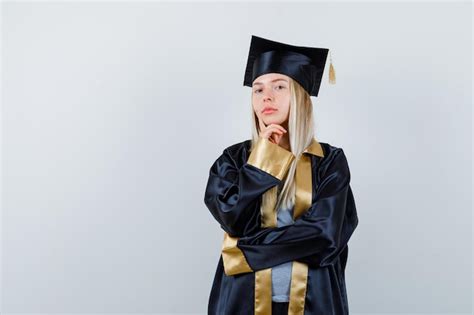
point(318, 238)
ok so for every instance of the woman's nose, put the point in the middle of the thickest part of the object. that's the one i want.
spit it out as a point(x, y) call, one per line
point(268, 96)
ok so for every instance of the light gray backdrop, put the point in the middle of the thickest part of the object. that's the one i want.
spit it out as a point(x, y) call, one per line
point(114, 112)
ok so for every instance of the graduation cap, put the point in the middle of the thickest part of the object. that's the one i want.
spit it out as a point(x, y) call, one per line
point(303, 64)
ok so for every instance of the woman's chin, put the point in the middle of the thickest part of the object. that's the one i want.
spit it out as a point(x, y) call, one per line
point(271, 120)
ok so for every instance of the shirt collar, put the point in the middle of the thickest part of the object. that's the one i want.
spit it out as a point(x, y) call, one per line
point(314, 148)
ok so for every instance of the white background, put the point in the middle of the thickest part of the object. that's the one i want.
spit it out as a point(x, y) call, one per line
point(112, 114)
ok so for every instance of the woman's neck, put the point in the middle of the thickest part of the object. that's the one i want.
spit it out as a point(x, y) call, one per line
point(285, 142)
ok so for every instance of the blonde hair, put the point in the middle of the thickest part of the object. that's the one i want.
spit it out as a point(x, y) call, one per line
point(300, 132)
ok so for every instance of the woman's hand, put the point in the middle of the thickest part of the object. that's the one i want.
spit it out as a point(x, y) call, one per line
point(272, 132)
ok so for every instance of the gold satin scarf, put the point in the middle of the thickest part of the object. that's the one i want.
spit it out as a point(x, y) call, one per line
point(299, 273)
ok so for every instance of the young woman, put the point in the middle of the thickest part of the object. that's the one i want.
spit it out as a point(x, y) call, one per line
point(282, 198)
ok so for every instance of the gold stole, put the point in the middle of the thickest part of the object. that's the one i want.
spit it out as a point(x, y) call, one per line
point(299, 273)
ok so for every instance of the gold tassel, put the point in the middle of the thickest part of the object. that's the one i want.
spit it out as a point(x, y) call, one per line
point(332, 72)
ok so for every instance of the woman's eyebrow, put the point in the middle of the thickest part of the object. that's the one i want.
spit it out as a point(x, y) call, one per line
point(271, 81)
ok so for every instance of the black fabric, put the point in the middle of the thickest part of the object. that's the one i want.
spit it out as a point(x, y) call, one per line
point(318, 238)
point(303, 64)
point(280, 308)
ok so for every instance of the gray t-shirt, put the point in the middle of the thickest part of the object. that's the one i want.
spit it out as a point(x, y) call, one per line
point(281, 274)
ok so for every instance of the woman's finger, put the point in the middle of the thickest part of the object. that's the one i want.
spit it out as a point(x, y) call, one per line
point(278, 138)
point(278, 127)
point(281, 128)
point(273, 138)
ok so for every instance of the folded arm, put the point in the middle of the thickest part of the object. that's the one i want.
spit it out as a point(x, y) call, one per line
point(233, 191)
point(316, 238)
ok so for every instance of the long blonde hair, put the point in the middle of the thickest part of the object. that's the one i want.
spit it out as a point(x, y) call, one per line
point(301, 132)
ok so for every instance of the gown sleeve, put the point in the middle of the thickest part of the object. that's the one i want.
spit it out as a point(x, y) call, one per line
point(233, 191)
point(316, 238)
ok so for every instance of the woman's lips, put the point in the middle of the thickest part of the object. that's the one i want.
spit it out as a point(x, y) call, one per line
point(269, 111)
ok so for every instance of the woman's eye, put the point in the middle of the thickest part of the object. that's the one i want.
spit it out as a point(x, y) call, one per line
point(281, 86)
point(258, 90)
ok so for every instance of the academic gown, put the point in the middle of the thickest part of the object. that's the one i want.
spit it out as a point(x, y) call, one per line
point(316, 242)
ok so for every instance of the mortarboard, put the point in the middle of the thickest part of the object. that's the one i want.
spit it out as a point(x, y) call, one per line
point(303, 64)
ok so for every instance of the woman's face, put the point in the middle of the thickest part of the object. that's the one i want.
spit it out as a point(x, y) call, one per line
point(271, 91)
